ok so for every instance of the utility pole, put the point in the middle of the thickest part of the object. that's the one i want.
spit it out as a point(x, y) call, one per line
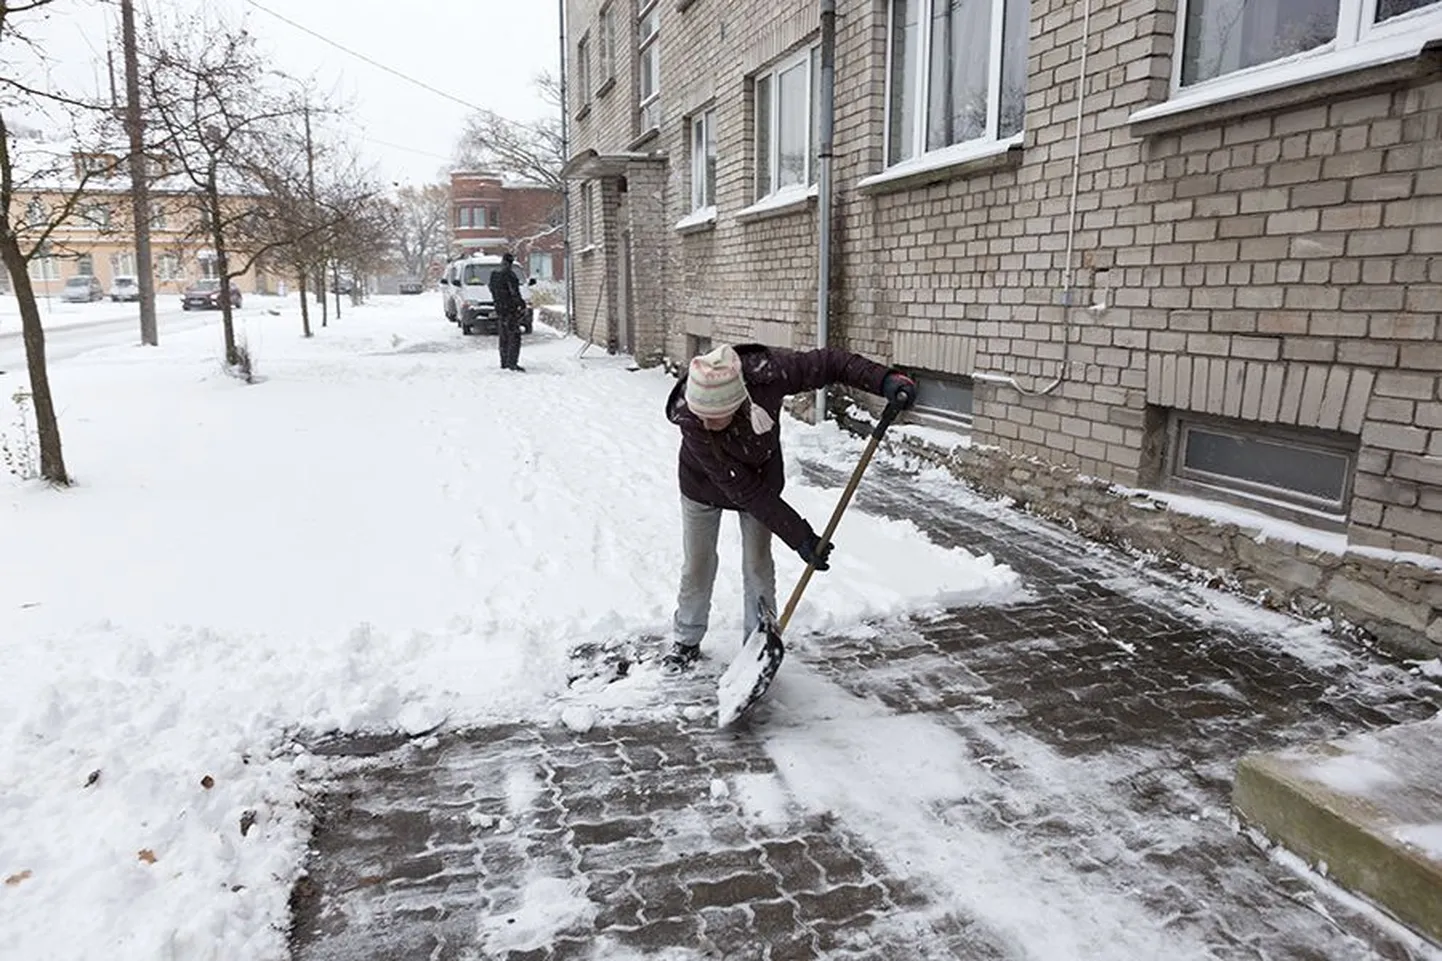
point(139, 182)
point(310, 196)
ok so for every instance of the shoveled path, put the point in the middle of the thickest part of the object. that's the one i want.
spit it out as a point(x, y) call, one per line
point(1047, 780)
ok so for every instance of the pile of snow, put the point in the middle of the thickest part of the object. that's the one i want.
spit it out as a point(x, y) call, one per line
point(387, 533)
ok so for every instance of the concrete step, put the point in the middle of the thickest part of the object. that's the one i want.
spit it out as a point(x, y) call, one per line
point(1366, 811)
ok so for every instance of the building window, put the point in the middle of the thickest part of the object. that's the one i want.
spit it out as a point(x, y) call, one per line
point(463, 217)
point(478, 217)
point(541, 265)
point(168, 267)
point(85, 266)
point(122, 264)
point(944, 396)
point(648, 45)
point(696, 345)
point(1221, 37)
point(495, 214)
point(1265, 463)
point(157, 219)
point(583, 71)
point(785, 125)
point(703, 160)
point(588, 191)
point(957, 74)
point(35, 212)
point(96, 215)
point(606, 44)
point(44, 268)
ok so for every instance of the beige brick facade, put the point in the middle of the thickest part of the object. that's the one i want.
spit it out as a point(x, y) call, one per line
point(1268, 259)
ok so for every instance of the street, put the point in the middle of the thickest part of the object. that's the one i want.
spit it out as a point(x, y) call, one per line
point(114, 325)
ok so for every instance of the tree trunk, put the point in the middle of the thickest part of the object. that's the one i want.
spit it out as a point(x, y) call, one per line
point(320, 295)
point(222, 268)
point(52, 460)
point(304, 307)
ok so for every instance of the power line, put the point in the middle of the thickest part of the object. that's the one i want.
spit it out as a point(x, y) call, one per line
point(360, 56)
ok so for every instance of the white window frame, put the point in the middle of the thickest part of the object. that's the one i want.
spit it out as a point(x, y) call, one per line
point(44, 268)
point(703, 151)
point(809, 57)
point(606, 44)
point(989, 142)
point(588, 199)
point(648, 105)
point(1360, 43)
point(541, 264)
point(583, 70)
point(122, 264)
point(167, 267)
point(85, 265)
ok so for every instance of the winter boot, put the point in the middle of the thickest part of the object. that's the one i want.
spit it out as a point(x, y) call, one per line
point(680, 658)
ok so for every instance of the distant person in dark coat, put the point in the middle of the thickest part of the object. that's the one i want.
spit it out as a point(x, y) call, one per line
point(728, 409)
point(510, 305)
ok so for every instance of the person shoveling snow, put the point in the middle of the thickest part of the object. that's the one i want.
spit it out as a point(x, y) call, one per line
point(728, 409)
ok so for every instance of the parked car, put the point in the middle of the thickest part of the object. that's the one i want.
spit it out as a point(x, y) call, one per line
point(450, 283)
point(205, 295)
point(124, 287)
point(411, 286)
point(82, 290)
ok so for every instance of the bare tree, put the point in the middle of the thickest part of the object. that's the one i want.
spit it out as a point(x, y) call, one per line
point(422, 227)
point(215, 117)
point(42, 188)
point(533, 151)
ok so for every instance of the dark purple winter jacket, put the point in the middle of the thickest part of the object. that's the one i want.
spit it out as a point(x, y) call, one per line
point(737, 469)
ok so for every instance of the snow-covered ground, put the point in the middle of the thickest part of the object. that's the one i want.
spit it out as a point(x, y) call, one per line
point(387, 532)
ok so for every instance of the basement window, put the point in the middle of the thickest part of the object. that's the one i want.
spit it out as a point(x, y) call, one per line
point(1266, 465)
point(944, 396)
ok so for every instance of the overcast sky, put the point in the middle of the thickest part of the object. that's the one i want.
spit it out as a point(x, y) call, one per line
point(483, 52)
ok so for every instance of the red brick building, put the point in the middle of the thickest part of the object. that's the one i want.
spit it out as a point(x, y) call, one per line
point(490, 216)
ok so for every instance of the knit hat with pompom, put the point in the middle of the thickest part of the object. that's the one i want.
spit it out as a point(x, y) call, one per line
point(715, 388)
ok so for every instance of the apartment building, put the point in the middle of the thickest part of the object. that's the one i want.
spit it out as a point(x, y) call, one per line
point(98, 239)
point(489, 215)
point(1171, 245)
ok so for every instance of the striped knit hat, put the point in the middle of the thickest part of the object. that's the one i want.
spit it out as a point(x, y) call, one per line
point(715, 388)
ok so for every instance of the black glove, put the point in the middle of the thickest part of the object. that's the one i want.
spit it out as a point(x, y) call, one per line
point(899, 389)
point(821, 561)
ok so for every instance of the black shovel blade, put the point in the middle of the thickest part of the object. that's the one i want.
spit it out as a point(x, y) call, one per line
point(747, 679)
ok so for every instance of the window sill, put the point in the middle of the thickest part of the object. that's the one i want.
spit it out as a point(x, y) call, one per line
point(647, 135)
point(606, 87)
point(588, 250)
point(1278, 86)
point(584, 112)
point(948, 163)
point(696, 222)
point(788, 200)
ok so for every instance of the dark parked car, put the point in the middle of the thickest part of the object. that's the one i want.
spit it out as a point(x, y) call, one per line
point(205, 295)
point(411, 286)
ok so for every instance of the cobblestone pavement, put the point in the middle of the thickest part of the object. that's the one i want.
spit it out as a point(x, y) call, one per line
point(1047, 780)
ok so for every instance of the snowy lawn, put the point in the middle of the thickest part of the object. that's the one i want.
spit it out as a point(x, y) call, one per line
point(388, 532)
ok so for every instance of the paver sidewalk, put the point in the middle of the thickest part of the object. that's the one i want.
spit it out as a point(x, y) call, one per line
point(1047, 780)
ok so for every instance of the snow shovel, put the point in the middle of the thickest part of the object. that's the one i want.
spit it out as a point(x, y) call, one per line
point(745, 682)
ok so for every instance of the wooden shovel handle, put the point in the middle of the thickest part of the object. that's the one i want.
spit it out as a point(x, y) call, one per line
point(887, 417)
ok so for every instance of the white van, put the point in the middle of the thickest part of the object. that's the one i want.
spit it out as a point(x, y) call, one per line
point(466, 287)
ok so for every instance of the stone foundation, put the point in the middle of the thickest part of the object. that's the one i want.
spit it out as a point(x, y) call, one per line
point(1397, 603)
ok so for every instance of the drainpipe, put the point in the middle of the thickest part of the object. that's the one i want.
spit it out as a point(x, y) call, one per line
point(826, 116)
point(566, 184)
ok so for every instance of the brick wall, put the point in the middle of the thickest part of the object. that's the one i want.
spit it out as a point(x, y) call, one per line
point(1273, 259)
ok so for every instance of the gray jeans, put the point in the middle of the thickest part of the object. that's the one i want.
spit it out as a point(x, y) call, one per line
point(700, 528)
